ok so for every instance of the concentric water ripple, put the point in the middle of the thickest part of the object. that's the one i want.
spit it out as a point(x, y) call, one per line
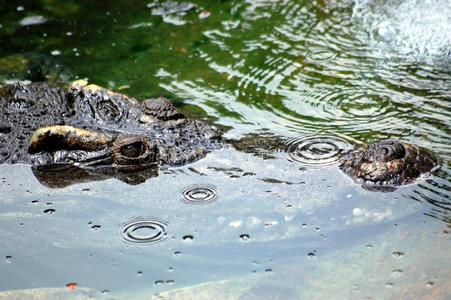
point(317, 150)
point(200, 195)
point(143, 231)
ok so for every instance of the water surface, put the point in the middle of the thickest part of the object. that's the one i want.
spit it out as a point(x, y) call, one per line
point(294, 80)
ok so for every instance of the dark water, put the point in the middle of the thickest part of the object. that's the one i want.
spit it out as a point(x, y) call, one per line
point(266, 221)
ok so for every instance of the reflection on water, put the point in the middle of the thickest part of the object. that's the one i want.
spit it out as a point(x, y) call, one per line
point(60, 176)
point(271, 216)
point(318, 75)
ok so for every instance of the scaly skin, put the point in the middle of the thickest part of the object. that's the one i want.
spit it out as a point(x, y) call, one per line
point(388, 162)
point(89, 127)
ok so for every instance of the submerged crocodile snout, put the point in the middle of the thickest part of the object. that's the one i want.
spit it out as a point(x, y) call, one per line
point(388, 162)
point(57, 137)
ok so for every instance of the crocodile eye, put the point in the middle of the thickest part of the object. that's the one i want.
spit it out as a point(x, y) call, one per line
point(133, 150)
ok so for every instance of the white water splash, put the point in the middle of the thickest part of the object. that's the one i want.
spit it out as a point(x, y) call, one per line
point(420, 29)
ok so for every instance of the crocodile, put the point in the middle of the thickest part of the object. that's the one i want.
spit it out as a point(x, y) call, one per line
point(388, 163)
point(86, 132)
point(96, 131)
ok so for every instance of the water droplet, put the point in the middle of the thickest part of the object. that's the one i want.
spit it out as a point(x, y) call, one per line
point(244, 237)
point(142, 231)
point(170, 269)
point(268, 270)
point(397, 272)
point(35, 201)
point(8, 259)
point(72, 286)
point(188, 238)
point(177, 253)
point(170, 281)
point(20, 8)
point(204, 14)
point(430, 284)
point(158, 282)
point(389, 284)
point(104, 292)
point(49, 211)
point(398, 254)
point(200, 195)
point(139, 273)
point(369, 246)
point(311, 254)
point(32, 20)
point(96, 227)
point(270, 224)
point(321, 150)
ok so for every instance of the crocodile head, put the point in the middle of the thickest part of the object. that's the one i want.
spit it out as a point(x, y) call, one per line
point(96, 130)
point(388, 162)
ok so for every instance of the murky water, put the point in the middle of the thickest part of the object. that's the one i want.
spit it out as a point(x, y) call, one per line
point(270, 216)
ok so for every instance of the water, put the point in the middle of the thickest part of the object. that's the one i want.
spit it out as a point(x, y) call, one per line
point(271, 215)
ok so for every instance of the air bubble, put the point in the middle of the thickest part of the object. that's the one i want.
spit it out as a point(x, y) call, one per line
point(96, 227)
point(244, 237)
point(398, 254)
point(311, 254)
point(188, 238)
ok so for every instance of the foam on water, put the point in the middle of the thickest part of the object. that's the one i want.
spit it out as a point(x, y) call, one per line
point(417, 28)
